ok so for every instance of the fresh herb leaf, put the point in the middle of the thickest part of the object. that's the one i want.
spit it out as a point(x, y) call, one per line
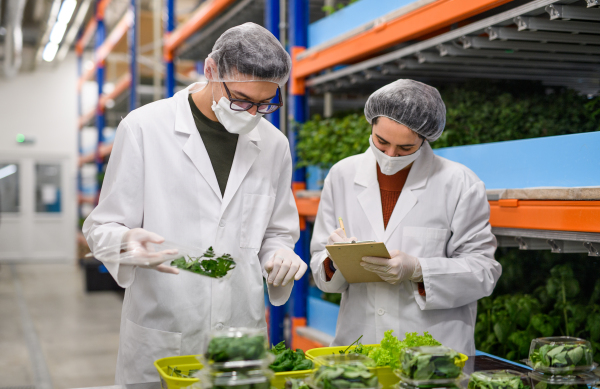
point(207, 264)
point(289, 360)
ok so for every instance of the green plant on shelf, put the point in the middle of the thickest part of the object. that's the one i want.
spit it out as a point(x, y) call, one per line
point(506, 324)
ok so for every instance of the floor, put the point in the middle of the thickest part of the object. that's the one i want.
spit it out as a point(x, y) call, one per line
point(52, 333)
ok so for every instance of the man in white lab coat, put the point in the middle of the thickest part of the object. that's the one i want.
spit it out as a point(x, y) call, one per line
point(202, 169)
point(431, 213)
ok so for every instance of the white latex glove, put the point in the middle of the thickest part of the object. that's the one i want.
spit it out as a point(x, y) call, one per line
point(338, 236)
point(136, 240)
point(283, 266)
point(400, 267)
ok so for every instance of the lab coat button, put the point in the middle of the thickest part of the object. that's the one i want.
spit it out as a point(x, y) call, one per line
point(219, 326)
point(381, 311)
point(222, 223)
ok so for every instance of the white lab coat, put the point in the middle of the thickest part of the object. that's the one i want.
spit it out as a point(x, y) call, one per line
point(442, 218)
point(160, 178)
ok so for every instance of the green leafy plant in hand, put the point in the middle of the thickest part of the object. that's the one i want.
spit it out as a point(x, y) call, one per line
point(230, 349)
point(207, 264)
point(430, 363)
point(356, 376)
point(497, 380)
point(288, 360)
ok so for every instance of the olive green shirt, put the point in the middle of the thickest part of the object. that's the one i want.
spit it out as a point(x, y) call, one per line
point(220, 144)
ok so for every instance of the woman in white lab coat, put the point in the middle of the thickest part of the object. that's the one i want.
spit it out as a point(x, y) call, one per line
point(161, 183)
point(431, 213)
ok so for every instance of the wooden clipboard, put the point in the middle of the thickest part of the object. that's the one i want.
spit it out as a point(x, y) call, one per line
point(347, 258)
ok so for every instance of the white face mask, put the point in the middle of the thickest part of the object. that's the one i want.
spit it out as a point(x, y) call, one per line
point(235, 122)
point(392, 165)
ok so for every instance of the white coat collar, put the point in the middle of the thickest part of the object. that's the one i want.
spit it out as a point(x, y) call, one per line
point(369, 195)
point(246, 151)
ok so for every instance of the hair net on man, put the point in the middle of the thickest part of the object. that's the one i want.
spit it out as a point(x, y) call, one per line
point(411, 103)
point(249, 52)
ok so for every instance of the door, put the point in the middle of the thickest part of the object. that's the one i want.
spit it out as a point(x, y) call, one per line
point(36, 209)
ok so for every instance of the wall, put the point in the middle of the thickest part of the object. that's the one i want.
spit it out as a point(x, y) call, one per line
point(43, 105)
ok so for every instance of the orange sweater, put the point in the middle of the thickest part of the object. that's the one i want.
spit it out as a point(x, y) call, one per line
point(390, 188)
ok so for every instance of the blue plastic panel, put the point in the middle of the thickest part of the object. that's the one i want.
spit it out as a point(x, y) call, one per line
point(322, 315)
point(350, 17)
point(562, 161)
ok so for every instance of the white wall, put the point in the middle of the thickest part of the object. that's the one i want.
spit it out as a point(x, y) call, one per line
point(43, 105)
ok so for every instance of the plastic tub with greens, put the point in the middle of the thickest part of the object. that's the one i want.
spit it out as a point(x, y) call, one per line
point(499, 379)
point(289, 364)
point(343, 372)
point(237, 348)
point(237, 379)
point(429, 365)
point(561, 355)
point(574, 381)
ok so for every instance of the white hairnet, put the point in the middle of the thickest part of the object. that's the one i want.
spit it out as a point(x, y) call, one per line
point(411, 103)
point(249, 52)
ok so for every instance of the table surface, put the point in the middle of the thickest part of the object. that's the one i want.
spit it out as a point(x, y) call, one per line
point(475, 363)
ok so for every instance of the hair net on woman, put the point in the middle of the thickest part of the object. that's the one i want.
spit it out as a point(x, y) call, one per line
point(410, 103)
point(249, 52)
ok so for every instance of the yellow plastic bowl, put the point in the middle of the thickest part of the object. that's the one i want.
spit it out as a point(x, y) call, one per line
point(184, 363)
point(385, 374)
point(190, 362)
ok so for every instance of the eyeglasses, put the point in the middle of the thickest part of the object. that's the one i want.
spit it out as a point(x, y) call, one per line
point(245, 105)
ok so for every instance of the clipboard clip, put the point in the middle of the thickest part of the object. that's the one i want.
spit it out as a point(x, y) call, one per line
point(354, 241)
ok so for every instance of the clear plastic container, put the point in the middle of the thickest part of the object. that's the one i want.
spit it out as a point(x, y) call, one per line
point(429, 365)
point(574, 381)
point(177, 255)
point(343, 372)
point(561, 355)
point(150, 254)
point(236, 348)
point(461, 383)
point(241, 379)
point(499, 379)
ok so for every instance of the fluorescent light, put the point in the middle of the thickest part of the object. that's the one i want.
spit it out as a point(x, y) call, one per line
point(50, 51)
point(7, 171)
point(66, 11)
point(58, 32)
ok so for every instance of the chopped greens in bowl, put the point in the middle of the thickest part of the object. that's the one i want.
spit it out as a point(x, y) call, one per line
point(429, 364)
point(499, 379)
point(561, 355)
point(343, 376)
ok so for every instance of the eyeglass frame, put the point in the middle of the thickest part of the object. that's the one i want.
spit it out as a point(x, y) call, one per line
point(232, 100)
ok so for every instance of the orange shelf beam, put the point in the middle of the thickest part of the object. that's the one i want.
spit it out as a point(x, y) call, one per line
point(90, 29)
point(582, 216)
point(109, 44)
point(122, 84)
point(200, 18)
point(419, 22)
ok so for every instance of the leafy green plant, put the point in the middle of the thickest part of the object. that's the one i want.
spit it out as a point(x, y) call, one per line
point(229, 349)
point(288, 360)
point(175, 371)
point(207, 264)
point(477, 112)
point(388, 351)
point(430, 363)
point(507, 324)
point(356, 376)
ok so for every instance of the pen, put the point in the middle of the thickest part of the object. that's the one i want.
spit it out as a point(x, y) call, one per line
point(342, 225)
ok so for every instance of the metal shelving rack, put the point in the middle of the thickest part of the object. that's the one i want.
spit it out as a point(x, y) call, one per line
point(556, 42)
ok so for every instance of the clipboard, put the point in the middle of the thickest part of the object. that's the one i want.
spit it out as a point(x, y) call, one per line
point(347, 258)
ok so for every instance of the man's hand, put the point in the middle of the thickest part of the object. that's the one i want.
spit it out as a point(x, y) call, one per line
point(400, 267)
point(135, 241)
point(283, 266)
